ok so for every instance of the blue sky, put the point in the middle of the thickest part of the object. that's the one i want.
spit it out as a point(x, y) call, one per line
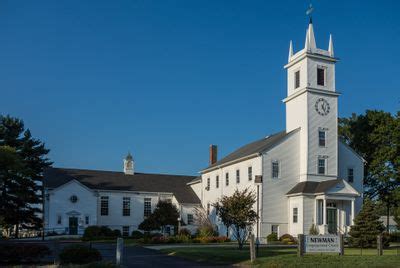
point(165, 79)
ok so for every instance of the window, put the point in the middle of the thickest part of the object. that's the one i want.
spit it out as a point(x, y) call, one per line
point(147, 207)
point(297, 79)
point(321, 166)
point(189, 219)
point(274, 229)
point(73, 199)
point(125, 231)
point(295, 215)
point(217, 182)
point(275, 169)
point(208, 184)
point(208, 208)
point(320, 212)
point(227, 179)
point(59, 219)
point(321, 76)
point(87, 220)
point(104, 205)
point(321, 138)
point(250, 173)
point(126, 206)
point(350, 175)
point(237, 176)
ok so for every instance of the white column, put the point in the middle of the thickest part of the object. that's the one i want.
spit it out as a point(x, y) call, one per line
point(324, 212)
point(315, 211)
point(352, 211)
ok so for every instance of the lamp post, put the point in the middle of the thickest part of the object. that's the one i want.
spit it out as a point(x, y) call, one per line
point(179, 224)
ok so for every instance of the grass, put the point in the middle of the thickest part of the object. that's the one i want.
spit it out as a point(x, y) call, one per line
point(287, 257)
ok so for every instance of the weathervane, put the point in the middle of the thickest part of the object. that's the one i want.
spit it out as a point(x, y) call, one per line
point(309, 11)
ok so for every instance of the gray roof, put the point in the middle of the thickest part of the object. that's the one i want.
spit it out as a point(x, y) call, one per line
point(253, 148)
point(312, 187)
point(111, 180)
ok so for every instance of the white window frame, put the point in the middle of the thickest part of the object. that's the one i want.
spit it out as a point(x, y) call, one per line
point(59, 219)
point(147, 209)
point(106, 201)
point(272, 169)
point(126, 206)
point(325, 165)
point(227, 179)
point(321, 130)
point(217, 181)
point(124, 231)
point(250, 173)
point(295, 215)
point(208, 184)
point(87, 220)
point(237, 176)
point(294, 78)
point(347, 175)
point(190, 221)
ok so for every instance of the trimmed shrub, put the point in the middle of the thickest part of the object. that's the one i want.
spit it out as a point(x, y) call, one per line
point(272, 237)
point(22, 253)
point(206, 231)
point(137, 234)
point(287, 238)
point(100, 232)
point(79, 254)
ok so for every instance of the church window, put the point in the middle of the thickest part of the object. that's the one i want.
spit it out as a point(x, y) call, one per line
point(322, 138)
point(321, 166)
point(274, 229)
point(275, 169)
point(321, 76)
point(297, 79)
point(147, 207)
point(320, 212)
point(189, 219)
point(237, 176)
point(208, 184)
point(59, 219)
point(295, 215)
point(104, 205)
point(126, 206)
point(227, 179)
point(250, 173)
point(217, 181)
point(125, 231)
point(87, 220)
point(350, 175)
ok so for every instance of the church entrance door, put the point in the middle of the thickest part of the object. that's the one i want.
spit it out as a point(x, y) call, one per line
point(332, 220)
point(73, 225)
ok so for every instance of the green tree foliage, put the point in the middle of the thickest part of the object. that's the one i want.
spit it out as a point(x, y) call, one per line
point(237, 211)
point(23, 160)
point(375, 135)
point(366, 226)
point(164, 214)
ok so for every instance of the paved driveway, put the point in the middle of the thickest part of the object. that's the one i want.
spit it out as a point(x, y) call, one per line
point(144, 257)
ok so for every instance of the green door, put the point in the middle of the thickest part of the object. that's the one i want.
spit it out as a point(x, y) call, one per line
point(332, 220)
point(73, 225)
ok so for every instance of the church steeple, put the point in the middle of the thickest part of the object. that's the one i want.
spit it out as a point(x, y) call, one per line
point(310, 44)
point(129, 167)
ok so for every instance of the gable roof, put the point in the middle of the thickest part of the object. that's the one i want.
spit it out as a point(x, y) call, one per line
point(119, 181)
point(252, 148)
point(314, 187)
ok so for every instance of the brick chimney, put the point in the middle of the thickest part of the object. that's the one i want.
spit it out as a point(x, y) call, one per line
point(213, 154)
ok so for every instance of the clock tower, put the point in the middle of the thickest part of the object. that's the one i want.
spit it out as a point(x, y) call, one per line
point(311, 106)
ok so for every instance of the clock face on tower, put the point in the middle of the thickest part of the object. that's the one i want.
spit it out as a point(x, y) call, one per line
point(322, 106)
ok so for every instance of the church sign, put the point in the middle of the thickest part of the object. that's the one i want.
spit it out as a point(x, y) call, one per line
point(320, 244)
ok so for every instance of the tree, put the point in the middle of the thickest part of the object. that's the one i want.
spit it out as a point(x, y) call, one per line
point(205, 226)
point(21, 178)
point(164, 214)
point(237, 211)
point(366, 226)
point(376, 137)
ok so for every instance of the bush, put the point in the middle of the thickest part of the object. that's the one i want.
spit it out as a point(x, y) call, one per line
point(272, 237)
point(79, 254)
point(184, 231)
point(286, 238)
point(137, 234)
point(20, 253)
point(206, 231)
point(100, 232)
point(313, 230)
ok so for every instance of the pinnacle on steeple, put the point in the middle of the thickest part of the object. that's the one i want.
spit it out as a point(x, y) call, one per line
point(310, 44)
point(330, 48)
point(290, 50)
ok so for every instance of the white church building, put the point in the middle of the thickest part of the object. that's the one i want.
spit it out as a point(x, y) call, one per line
point(301, 176)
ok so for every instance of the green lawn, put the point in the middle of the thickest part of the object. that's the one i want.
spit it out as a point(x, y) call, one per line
point(286, 257)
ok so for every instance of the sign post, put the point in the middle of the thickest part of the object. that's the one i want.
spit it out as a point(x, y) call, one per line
point(252, 248)
point(300, 247)
point(379, 245)
point(120, 250)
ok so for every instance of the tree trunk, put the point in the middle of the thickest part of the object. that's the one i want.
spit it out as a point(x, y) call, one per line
point(16, 230)
point(387, 216)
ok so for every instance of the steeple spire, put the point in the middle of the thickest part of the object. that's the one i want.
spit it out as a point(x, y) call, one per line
point(310, 44)
point(290, 50)
point(330, 49)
